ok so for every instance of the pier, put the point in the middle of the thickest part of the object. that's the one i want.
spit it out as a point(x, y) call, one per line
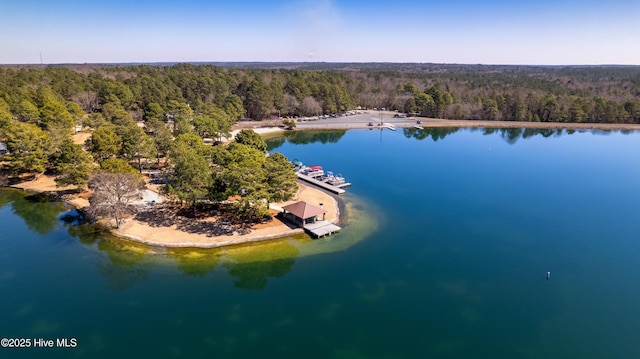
point(321, 228)
point(337, 189)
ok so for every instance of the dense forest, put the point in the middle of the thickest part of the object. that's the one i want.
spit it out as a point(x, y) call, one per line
point(154, 115)
point(259, 91)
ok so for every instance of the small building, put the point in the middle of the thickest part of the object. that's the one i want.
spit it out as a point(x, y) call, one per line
point(306, 215)
point(3, 149)
point(303, 213)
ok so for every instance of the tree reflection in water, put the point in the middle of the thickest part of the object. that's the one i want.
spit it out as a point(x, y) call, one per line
point(38, 211)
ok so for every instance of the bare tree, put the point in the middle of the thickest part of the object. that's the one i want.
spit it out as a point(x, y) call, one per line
point(291, 104)
point(113, 194)
point(310, 106)
point(88, 100)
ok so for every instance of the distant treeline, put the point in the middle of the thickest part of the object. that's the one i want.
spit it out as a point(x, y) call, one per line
point(598, 94)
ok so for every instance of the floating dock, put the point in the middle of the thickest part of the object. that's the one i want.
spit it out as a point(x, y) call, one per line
point(335, 189)
point(321, 228)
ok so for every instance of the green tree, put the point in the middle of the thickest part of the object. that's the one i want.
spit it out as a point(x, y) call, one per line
point(577, 111)
point(181, 114)
point(30, 147)
point(239, 172)
point(425, 104)
point(27, 111)
point(410, 105)
point(153, 112)
point(104, 143)
point(161, 135)
point(74, 166)
point(118, 165)
point(54, 113)
point(251, 139)
point(278, 94)
point(289, 123)
point(233, 107)
point(205, 126)
point(280, 178)
point(137, 145)
point(489, 109)
point(191, 176)
point(259, 100)
point(5, 114)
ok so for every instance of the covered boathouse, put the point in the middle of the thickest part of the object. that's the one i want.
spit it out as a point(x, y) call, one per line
point(306, 215)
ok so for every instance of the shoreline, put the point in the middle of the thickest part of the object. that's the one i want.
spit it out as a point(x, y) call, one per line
point(362, 120)
point(174, 237)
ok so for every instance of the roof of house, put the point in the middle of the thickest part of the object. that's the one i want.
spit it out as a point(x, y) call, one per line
point(3, 146)
point(304, 210)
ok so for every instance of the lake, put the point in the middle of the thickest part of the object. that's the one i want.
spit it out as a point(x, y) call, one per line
point(445, 253)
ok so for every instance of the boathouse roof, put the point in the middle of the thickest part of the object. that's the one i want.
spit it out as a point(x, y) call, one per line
point(304, 210)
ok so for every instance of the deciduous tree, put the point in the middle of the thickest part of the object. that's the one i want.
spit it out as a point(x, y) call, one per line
point(113, 194)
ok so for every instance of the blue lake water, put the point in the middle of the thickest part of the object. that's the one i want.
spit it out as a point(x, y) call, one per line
point(449, 261)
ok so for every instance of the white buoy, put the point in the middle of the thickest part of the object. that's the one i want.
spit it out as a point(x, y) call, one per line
point(548, 275)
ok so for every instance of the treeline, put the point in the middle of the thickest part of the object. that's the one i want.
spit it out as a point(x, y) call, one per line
point(135, 112)
point(511, 93)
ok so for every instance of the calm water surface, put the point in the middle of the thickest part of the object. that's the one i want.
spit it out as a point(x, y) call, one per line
point(450, 261)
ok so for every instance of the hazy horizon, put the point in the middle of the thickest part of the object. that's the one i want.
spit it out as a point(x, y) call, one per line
point(495, 32)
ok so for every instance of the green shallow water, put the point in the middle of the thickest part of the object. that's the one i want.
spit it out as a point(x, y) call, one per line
point(445, 253)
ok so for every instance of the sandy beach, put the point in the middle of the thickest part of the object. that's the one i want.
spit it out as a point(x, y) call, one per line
point(210, 233)
point(164, 231)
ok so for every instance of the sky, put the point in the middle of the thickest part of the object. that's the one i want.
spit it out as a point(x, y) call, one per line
point(541, 32)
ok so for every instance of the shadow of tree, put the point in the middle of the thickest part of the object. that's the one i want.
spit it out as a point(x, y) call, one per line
point(167, 217)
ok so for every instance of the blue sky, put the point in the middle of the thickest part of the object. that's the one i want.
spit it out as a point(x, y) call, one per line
point(458, 31)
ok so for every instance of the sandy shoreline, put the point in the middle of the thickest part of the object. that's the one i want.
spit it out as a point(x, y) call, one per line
point(177, 235)
point(363, 120)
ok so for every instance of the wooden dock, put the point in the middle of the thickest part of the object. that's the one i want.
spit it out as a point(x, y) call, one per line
point(321, 228)
point(324, 185)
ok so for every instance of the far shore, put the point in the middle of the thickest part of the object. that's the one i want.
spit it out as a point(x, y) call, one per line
point(372, 119)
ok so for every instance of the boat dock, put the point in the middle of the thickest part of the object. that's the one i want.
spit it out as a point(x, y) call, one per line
point(321, 228)
point(329, 187)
